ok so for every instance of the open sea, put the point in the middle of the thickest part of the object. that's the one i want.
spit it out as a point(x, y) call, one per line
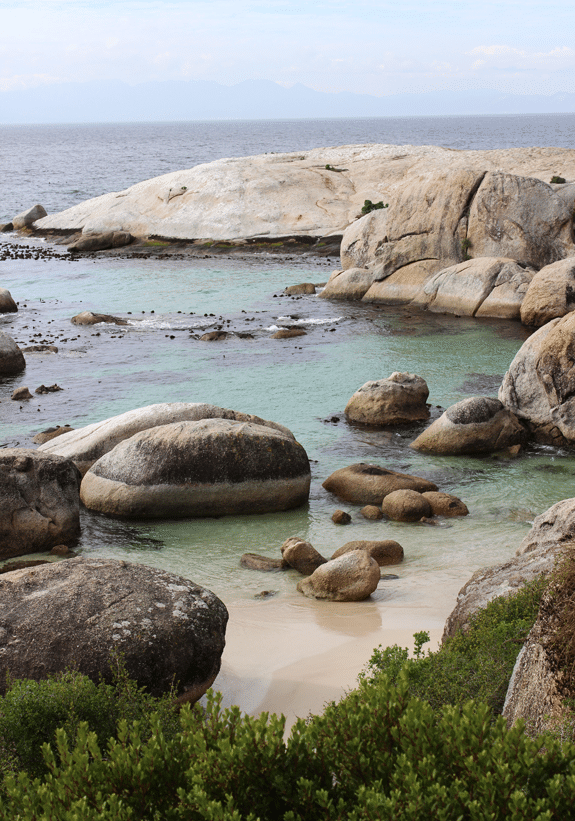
point(303, 383)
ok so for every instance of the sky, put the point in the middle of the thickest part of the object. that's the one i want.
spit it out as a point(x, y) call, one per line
point(377, 47)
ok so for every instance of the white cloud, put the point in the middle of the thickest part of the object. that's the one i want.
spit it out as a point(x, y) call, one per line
point(22, 81)
point(509, 57)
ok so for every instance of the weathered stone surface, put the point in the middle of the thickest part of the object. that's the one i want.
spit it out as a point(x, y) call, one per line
point(551, 293)
point(85, 445)
point(27, 218)
point(352, 283)
point(40, 349)
point(7, 304)
point(351, 577)
point(77, 613)
point(478, 287)
point(372, 512)
point(43, 389)
point(6, 227)
point(539, 386)
point(51, 433)
point(214, 336)
point(288, 333)
point(384, 552)
point(213, 467)
point(340, 517)
point(21, 393)
point(403, 286)
point(363, 484)
point(551, 529)
point(475, 425)
point(405, 506)
point(253, 561)
point(399, 399)
point(363, 239)
point(90, 318)
point(279, 195)
point(302, 288)
point(101, 242)
point(444, 504)
point(521, 218)
point(500, 580)
point(39, 501)
point(301, 555)
point(11, 357)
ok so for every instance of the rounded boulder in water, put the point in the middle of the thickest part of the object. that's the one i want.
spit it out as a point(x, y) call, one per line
point(213, 467)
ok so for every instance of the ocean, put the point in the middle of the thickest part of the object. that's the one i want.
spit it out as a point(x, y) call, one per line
point(303, 383)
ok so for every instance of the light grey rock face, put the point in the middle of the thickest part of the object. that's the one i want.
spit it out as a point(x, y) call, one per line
point(102, 242)
point(397, 400)
point(385, 552)
point(351, 577)
point(478, 287)
point(77, 613)
point(11, 357)
point(539, 386)
point(7, 304)
point(551, 529)
point(521, 218)
point(352, 284)
point(475, 425)
point(85, 445)
point(551, 293)
point(29, 217)
point(213, 467)
point(301, 555)
point(39, 502)
point(363, 239)
point(500, 580)
point(364, 484)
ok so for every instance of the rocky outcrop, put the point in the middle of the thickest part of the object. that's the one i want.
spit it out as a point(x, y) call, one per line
point(39, 502)
point(101, 242)
point(27, 218)
point(551, 293)
point(213, 467)
point(7, 304)
point(11, 357)
point(385, 552)
point(281, 195)
point(267, 564)
point(406, 506)
point(85, 445)
point(552, 529)
point(76, 614)
point(539, 387)
point(363, 484)
point(351, 577)
point(485, 286)
point(51, 433)
point(397, 400)
point(304, 288)
point(90, 318)
point(444, 504)
point(301, 555)
point(352, 283)
point(475, 425)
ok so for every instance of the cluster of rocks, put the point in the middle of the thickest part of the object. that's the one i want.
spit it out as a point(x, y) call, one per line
point(352, 573)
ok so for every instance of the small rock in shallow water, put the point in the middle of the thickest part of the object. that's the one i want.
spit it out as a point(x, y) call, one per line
point(21, 393)
point(340, 517)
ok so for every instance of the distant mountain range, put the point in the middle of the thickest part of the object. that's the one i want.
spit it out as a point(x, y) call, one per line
point(115, 101)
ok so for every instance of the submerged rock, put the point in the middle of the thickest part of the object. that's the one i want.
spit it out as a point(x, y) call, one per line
point(253, 561)
point(90, 318)
point(397, 400)
point(79, 612)
point(301, 555)
point(406, 506)
point(302, 288)
point(444, 504)
point(11, 357)
point(101, 242)
point(384, 552)
point(364, 484)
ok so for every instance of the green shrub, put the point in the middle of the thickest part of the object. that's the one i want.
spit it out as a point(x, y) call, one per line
point(369, 206)
point(558, 180)
point(474, 664)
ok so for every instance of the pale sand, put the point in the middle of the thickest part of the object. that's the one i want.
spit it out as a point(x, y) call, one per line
point(291, 655)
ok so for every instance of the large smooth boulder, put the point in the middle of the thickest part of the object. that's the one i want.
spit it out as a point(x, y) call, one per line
point(362, 240)
point(351, 577)
point(385, 552)
point(213, 467)
point(475, 425)
point(27, 218)
point(485, 286)
point(101, 242)
point(11, 357)
point(406, 506)
point(539, 386)
point(7, 304)
point(397, 400)
point(553, 528)
point(85, 445)
point(551, 293)
point(366, 484)
point(445, 504)
point(301, 555)
point(39, 502)
point(352, 283)
point(521, 218)
point(81, 612)
point(90, 318)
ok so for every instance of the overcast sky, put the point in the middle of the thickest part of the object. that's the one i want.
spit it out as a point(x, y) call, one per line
point(377, 47)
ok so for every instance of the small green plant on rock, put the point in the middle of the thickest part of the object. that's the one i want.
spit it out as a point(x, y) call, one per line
point(558, 180)
point(370, 206)
point(465, 246)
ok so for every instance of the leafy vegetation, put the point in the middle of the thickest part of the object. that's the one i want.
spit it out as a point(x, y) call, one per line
point(369, 206)
point(558, 180)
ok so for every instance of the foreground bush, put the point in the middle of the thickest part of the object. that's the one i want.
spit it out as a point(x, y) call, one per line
point(379, 754)
point(475, 664)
